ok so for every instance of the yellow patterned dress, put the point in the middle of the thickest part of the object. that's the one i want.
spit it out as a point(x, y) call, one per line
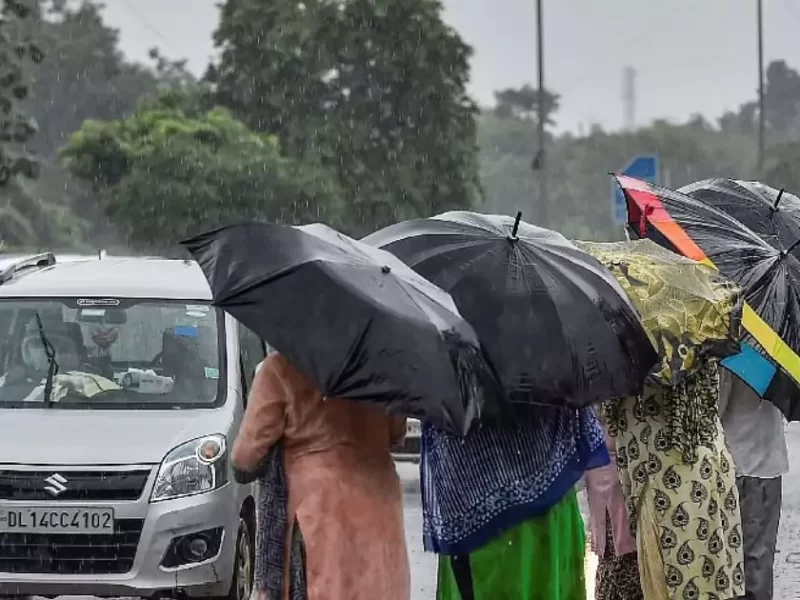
point(679, 482)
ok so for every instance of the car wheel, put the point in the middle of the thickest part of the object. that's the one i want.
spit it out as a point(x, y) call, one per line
point(244, 563)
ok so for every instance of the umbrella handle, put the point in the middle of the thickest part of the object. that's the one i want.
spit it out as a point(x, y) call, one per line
point(648, 210)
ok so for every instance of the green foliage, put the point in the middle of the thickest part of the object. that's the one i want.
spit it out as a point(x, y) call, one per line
point(162, 175)
point(28, 215)
point(580, 187)
point(782, 97)
point(373, 89)
point(85, 75)
point(33, 216)
point(371, 122)
point(18, 51)
point(783, 167)
point(781, 107)
point(523, 103)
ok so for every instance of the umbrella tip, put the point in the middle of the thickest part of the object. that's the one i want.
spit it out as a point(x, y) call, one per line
point(786, 252)
point(777, 200)
point(516, 224)
point(386, 269)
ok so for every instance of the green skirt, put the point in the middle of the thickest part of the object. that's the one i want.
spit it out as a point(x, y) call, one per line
point(539, 559)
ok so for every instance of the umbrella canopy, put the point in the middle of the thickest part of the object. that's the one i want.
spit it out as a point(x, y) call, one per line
point(689, 310)
point(554, 321)
point(355, 320)
point(770, 280)
point(772, 214)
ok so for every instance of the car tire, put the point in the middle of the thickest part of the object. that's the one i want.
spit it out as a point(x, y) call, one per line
point(243, 562)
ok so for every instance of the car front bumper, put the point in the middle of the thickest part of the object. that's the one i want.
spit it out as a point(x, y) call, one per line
point(162, 522)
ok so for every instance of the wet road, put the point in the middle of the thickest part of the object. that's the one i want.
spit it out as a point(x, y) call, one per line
point(787, 561)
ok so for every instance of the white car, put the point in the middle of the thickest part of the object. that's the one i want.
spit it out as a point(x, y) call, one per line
point(413, 433)
point(114, 470)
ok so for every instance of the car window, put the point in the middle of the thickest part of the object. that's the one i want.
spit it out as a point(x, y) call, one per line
point(110, 353)
point(252, 353)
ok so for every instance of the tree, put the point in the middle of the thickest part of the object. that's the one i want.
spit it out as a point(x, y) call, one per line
point(781, 107)
point(783, 167)
point(86, 75)
point(27, 218)
point(745, 120)
point(579, 199)
point(781, 96)
point(374, 89)
point(523, 103)
point(17, 51)
point(171, 74)
point(162, 174)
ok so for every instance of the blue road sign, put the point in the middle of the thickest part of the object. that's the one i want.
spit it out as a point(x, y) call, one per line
point(644, 167)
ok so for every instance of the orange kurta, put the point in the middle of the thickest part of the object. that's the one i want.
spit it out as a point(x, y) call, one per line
point(343, 487)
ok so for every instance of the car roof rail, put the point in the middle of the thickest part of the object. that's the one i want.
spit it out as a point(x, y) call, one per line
point(35, 261)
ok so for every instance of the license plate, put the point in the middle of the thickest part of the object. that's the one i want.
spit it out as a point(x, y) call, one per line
point(62, 520)
point(412, 428)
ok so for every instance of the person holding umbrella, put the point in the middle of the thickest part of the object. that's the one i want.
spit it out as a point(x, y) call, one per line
point(678, 478)
point(356, 332)
point(499, 506)
point(749, 233)
point(671, 456)
point(755, 429)
point(343, 489)
point(617, 574)
point(756, 435)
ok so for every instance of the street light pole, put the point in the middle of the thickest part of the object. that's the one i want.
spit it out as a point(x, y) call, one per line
point(762, 117)
point(542, 155)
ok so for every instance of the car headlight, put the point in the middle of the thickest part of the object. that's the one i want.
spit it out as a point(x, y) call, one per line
point(195, 467)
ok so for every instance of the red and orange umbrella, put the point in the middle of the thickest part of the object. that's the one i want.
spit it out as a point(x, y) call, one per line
point(770, 280)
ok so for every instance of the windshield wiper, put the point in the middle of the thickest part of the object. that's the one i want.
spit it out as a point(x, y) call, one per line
point(52, 365)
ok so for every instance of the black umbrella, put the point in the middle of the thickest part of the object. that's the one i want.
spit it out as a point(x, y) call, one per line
point(355, 320)
point(554, 321)
point(772, 214)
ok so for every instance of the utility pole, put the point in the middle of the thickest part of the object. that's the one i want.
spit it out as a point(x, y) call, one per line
point(542, 155)
point(762, 117)
point(629, 97)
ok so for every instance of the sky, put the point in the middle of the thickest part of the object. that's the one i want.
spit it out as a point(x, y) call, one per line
point(690, 56)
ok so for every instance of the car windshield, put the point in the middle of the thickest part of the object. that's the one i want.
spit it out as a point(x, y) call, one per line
point(109, 353)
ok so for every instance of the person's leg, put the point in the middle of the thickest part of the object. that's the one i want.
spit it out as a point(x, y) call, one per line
point(617, 576)
point(604, 588)
point(454, 578)
point(760, 505)
point(541, 558)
